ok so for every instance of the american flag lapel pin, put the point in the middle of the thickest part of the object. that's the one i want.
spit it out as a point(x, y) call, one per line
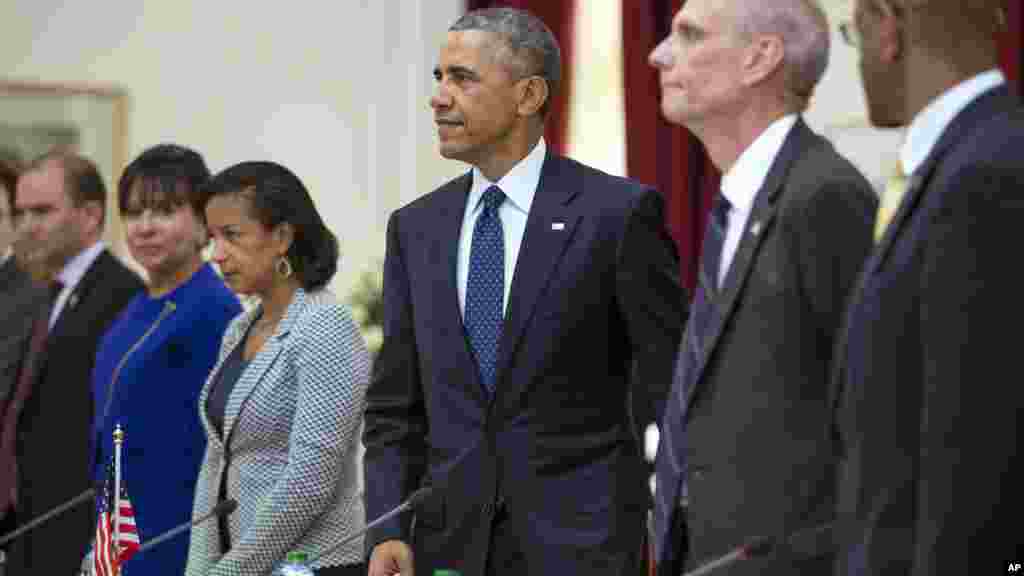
point(558, 226)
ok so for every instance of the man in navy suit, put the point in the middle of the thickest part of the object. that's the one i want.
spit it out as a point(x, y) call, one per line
point(927, 386)
point(532, 311)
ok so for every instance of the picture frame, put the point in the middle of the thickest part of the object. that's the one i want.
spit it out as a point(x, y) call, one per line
point(36, 117)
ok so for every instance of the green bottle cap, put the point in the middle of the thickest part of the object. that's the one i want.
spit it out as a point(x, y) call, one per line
point(297, 557)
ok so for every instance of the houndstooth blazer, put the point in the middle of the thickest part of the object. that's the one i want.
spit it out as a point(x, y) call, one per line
point(291, 426)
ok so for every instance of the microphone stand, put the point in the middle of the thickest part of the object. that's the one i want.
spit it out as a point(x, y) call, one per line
point(226, 507)
point(84, 496)
point(763, 546)
point(413, 501)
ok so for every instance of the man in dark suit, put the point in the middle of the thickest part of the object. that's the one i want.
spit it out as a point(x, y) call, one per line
point(20, 302)
point(529, 304)
point(743, 450)
point(60, 203)
point(927, 383)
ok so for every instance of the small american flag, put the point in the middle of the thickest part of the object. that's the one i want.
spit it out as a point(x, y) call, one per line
point(105, 562)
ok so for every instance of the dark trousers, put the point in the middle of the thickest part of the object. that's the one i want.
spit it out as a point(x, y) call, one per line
point(504, 555)
point(677, 537)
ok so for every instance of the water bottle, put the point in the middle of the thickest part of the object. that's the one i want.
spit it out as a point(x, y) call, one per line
point(294, 565)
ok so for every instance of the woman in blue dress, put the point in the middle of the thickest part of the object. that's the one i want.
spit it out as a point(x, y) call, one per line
point(155, 358)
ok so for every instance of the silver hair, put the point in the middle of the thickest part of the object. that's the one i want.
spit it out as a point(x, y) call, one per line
point(530, 41)
point(803, 27)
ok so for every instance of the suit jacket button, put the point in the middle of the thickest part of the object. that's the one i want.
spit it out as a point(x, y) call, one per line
point(698, 473)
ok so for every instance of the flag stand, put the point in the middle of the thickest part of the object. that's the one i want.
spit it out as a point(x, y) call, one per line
point(116, 512)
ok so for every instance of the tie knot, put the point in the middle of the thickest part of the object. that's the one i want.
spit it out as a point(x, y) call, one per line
point(898, 172)
point(493, 197)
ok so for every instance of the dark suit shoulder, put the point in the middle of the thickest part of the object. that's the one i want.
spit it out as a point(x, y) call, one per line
point(442, 195)
point(17, 289)
point(821, 163)
point(997, 140)
point(610, 189)
point(114, 275)
point(823, 182)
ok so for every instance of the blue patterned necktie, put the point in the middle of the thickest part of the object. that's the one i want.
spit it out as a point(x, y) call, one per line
point(485, 288)
point(671, 461)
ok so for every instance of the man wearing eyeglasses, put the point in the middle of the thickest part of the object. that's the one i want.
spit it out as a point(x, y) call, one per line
point(743, 448)
point(926, 385)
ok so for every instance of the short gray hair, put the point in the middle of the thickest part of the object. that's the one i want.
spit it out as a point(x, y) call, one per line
point(531, 42)
point(803, 27)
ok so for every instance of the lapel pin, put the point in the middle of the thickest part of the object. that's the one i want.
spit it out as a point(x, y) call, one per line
point(755, 228)
point(73, 300)
point(558, 225)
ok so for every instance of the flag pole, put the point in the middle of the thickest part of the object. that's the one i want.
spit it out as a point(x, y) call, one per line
point(116, 510)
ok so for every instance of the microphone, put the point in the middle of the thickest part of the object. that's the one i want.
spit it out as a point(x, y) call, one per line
point(85, 496)
point(223, 509)
point(169, 307)
point(414, 500)
point(804, 542)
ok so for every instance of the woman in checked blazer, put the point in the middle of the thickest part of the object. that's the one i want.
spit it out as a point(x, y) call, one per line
point(283, 405)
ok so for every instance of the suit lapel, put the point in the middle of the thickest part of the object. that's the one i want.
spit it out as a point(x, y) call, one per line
point(442, 268)
point(261, 363)
point(232, 338)
point(549, 228)
point(80, 292)
point(986, 106)
point(762, 217)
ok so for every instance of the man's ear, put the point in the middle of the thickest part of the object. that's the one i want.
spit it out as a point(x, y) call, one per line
point(890, 38)
point(762, 58)
point(533, 93)
point(93, 211)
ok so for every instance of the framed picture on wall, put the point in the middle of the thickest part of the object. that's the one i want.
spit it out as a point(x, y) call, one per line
point(36, 118)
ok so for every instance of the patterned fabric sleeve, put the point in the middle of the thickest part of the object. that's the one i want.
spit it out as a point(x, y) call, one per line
point(332, 371)
point(204, 545)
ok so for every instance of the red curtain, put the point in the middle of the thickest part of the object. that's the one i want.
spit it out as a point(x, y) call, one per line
point(658, 153)
point(559, 16)
point(1010, 46)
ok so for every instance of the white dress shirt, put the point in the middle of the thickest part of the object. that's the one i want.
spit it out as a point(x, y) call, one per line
point(519, 186)
point(928, 125)
point(6, 255)
point(71, 275)
point(741, 183)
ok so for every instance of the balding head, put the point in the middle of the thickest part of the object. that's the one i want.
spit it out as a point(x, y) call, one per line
point(803, 28)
